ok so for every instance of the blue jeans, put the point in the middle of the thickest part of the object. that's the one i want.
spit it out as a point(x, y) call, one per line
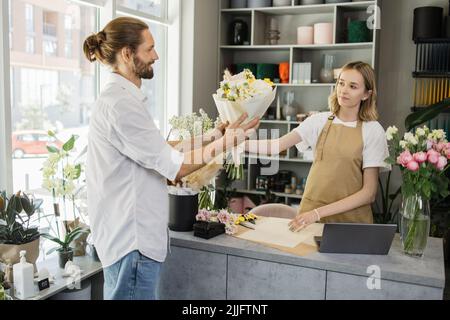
point(134, 277)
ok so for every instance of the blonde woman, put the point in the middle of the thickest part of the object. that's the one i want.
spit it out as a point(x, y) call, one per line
point(349, 146)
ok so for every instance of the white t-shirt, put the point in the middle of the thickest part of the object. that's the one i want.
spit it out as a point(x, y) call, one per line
point(375, 149)
point(127, 167)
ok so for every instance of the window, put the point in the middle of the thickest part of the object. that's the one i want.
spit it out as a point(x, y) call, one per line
point(50, 47)
point(29, 45)
point(68, 36)
point(155, 89)
point(57, 87)
point(29, 18)
point(155, 8)
point(50, 93)
point(11, 28)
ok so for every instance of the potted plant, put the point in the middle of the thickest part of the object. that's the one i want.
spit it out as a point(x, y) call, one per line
point(62, 177)
point(16, 234)
point(5, 287)
point(65, 252)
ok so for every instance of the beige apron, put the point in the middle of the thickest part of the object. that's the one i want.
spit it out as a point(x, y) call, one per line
point(337, 173)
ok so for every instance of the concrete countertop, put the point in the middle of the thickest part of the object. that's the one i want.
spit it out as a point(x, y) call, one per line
point(426, 271)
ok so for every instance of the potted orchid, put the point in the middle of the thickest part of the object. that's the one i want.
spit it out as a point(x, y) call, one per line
point(61, 176)
point(423, 159)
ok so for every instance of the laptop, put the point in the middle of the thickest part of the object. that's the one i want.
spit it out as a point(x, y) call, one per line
point(355, 238)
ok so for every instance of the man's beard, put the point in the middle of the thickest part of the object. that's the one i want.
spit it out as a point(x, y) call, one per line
point(141, 69)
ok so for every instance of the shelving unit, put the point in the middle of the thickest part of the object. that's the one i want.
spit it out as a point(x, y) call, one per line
point(308, 97)
point(432, 72)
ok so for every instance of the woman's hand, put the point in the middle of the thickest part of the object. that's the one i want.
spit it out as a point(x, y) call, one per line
point(303, 220)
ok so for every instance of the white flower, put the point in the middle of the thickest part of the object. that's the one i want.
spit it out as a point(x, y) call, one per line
point(413, 141)
point(48, 172)
point(49, 184)
point(390, 132)
point(53, 159)
point(403, 144)
point(70, 172)
point(420, 132)
point(409, 137)
point(438, 134)
point(242, 86)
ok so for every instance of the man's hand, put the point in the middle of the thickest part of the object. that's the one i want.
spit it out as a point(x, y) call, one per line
point(237, 133)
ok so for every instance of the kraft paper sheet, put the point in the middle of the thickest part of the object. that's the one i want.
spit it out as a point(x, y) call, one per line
point(275, 233)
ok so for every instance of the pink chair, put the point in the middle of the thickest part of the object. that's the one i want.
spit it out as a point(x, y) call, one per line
point(240, 205)
point(275, 210)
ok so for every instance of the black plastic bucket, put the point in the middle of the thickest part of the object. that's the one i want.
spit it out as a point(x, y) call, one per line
point(182, 212)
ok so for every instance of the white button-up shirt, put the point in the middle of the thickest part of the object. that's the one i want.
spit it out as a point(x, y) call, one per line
point(127, 167)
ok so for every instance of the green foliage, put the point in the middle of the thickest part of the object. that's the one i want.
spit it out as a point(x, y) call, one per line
point(427, 114)
point(64, 245)
point(15, 215)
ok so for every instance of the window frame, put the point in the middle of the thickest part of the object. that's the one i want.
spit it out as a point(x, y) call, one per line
point(108, 10)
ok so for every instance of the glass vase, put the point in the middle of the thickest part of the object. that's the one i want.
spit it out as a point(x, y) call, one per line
point(414, 225)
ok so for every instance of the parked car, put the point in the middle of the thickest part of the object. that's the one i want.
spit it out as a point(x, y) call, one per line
point(32, 142)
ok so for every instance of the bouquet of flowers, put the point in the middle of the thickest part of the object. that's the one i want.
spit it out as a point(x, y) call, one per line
point(240, 94)
point(423, 159)
point(229, 219)
point(193, 125)
point(222, 216)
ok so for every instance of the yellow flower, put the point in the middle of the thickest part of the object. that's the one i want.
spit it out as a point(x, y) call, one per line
point(267, 80)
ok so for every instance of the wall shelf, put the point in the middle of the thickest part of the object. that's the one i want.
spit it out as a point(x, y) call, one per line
point(262, 193)
point(308, 97)
point(336, 46)
point(303, 9)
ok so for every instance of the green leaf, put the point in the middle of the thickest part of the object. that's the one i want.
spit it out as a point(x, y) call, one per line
point(429, 113)
point(26, 205)
point(51, 133)
point(52, 238)
point(78, 169)
point(52, 149)
point(69, 144)
point(52, 250)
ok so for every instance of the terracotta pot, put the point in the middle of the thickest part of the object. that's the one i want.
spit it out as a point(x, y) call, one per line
point(9, 253)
